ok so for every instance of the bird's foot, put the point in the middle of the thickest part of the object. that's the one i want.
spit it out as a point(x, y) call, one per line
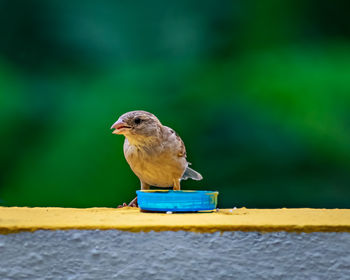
point(123, 205)
point(133, 203)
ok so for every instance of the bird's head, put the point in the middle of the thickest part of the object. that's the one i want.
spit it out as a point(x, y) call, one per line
point(137, 124)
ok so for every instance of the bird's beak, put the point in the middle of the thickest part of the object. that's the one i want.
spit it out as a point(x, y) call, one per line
point(119, 126)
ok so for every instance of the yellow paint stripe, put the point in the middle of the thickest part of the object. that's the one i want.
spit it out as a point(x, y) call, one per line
point(16, 219)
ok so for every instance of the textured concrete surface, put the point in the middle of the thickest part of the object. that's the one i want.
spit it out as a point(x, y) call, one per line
point(113, 254)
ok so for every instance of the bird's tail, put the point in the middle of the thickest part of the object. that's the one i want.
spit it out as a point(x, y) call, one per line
point(190, 173)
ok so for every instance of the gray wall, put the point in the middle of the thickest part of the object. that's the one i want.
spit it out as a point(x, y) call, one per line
point(112, 254)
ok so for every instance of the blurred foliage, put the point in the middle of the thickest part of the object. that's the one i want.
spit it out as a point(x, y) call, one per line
point(258, 90)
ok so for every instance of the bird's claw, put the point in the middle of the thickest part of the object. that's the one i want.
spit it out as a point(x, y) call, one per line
point(123, 205)
point(133, 203)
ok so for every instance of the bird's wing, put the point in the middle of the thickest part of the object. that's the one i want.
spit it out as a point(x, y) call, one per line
point(178, 143)
point(182, 148)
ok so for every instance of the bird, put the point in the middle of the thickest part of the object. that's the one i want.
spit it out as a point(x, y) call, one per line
point(154, 152)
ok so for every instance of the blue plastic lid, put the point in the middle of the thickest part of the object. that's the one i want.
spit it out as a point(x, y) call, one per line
point(177, 201)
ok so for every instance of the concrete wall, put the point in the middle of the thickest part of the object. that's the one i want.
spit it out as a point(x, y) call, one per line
point(113, 254)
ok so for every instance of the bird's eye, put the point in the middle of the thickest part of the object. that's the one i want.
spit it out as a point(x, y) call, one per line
point(137, 120)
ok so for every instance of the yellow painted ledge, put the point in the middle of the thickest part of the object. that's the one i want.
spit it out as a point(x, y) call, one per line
point(16, 219)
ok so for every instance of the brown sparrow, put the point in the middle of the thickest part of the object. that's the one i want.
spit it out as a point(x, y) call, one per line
point(155, 153)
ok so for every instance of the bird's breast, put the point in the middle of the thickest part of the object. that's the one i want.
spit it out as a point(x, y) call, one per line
point(155, 166)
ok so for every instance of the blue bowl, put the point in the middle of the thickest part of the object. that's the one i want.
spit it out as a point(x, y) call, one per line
point(177, 201)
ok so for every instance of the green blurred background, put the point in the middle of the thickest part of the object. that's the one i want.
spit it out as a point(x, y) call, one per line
point(258, 90)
